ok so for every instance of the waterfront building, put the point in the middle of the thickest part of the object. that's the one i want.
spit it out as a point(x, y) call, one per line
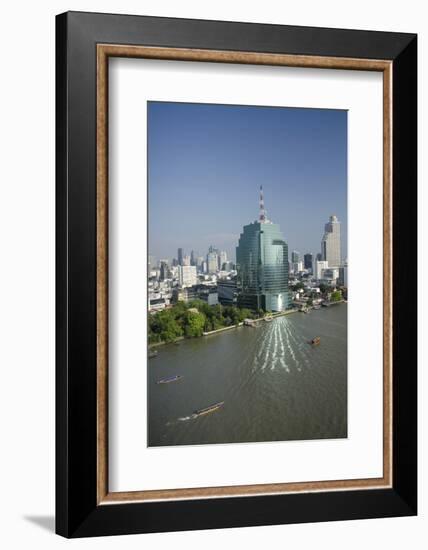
point(343, 275)
point(308, 260)
point(180, 256)
point(330, 274)
point(262, 265)
point(209, 295)
point(319, 267)
point(227, 292)
point(187, 275)
point(330, 244)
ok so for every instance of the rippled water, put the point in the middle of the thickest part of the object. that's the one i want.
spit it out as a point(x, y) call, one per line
point(275, 385)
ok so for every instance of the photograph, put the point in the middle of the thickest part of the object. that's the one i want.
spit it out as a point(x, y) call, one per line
point(247, 274)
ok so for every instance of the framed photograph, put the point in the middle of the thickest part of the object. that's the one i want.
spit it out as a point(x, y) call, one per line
point(236, 241)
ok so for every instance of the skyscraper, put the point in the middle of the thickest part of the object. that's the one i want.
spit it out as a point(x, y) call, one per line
point(222, 259)
point(180, 256)
point(308, 259)
point(164, 270)
point(212, 262)
point(186, 260)
point(262, 265)
point(330, 244)
point(295, 256)
point(187, 275)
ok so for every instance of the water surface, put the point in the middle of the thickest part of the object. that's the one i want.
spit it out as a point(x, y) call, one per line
point(274, 384)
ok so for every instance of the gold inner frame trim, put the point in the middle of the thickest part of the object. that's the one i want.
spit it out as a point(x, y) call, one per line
point(104, 51)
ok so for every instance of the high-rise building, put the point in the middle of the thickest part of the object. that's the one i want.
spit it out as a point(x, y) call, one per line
point(186, 260)
point(180, 256)
point(319, 268)
point(199, 263)
point(193, 258)
point(297, 267)
point(307, 260)
point(222, 259)
point(187, 275)
point(164, 270)
point(212, 261)
point(319, 257)
point(295, 256)
point(262, 265)
point(330, 244)
point(343, 275)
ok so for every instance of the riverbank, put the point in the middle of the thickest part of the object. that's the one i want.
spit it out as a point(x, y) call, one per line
point(255, 321)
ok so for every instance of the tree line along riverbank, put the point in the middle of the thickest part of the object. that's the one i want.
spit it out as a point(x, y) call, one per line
point(197, 318)
point(193, 319)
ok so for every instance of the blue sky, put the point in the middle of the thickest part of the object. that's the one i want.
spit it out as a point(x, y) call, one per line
point(207, 162)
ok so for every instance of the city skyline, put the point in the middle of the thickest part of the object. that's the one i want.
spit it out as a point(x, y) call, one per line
point(191, 252)
point(204, 179)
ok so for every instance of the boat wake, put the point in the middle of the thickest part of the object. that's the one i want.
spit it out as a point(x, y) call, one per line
point(280, 347)
point(186, 418)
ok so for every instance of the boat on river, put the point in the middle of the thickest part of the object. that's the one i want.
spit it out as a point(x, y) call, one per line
point(169, 379)
point(152, 354)
point(207, 410)
point(315, 341)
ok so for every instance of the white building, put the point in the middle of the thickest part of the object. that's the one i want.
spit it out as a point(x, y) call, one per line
point(330, 244)
point(187, 275)
point(297, 267)
point(330, 274)
point(319, 268)
point(212, 262)
point(222, 259)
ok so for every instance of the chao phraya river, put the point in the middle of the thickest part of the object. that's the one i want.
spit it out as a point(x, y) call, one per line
point(275, 385)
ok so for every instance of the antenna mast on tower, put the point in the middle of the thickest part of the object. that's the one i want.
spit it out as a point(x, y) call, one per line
point(262, 215)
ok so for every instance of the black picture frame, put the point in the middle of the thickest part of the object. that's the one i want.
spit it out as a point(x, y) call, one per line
point(77, 511)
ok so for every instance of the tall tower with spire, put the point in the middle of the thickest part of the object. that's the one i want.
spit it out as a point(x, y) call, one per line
point(262, 265)
point(262, 215)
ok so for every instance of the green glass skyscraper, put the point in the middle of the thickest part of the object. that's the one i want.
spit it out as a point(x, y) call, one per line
point(262, 265)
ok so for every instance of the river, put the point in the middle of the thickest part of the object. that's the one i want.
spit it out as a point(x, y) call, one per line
point(274, 384)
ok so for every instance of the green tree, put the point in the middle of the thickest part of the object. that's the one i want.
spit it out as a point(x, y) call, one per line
point(336, 296)
point(165, 326)
point(194, 324)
